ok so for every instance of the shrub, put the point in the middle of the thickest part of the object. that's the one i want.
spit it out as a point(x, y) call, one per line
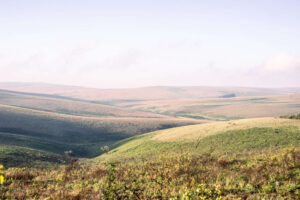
point(105, 149)
point(296, 116)
point(273, 175)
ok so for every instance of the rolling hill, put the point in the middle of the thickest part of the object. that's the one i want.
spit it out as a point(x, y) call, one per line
point(113, 96)
point(221, 138)
point(57, 119)
point(64, 105)
point(38, 128)
point(198, 102)
point(221, 108)
point(239, 159)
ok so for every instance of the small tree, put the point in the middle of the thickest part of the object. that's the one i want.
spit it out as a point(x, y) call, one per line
point(105, 149)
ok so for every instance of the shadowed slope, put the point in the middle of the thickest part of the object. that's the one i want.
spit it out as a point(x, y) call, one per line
point(84, 135)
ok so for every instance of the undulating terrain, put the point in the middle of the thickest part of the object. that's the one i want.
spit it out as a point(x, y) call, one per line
point(111, 96)
point(208, 103)
point(64, 142)
point(219, 138)
point(54, 125)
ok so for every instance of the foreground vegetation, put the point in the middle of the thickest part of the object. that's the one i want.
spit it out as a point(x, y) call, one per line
point(241, 159)
point(186, 176)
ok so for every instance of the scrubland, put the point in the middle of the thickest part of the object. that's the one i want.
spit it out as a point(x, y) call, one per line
point(273, 175)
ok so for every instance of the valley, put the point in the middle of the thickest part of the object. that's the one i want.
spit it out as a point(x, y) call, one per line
point(129, 144)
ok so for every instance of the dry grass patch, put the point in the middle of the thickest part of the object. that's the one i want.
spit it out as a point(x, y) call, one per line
point(193, 132)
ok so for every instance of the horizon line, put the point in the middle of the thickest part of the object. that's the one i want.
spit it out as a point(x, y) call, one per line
point(149, 86)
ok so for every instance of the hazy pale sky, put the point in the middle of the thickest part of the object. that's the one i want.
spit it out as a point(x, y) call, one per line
point(133, 43)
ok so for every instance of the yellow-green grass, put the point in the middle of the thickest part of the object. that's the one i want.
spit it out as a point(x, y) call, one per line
point(259, 160)
point(269, 176)
point(195, 132)
point(84, 135)
point(274, 175)
point(238, 136)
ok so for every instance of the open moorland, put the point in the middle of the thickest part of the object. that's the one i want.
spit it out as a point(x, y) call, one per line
point(204, 103)
point(54, 125)
point(111, 96)
point(219, 138)
point(221, 108)
point(59, 142)
point(249, 159)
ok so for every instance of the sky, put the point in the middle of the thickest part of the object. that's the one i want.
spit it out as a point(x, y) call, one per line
point(137, 43)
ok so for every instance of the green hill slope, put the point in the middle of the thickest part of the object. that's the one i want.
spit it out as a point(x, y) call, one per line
point(241, 159)
point(220, 138)
point(17, 156)
point(54, 125)
point(55, 132)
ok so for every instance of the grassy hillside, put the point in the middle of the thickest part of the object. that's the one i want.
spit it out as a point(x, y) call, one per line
point(17, 156)
point(196, 132)
point(256, 158)
point(220, 138)
point(249, 159)
point(84, 135)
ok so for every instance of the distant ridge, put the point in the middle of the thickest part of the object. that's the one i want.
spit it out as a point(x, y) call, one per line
point(144, 93)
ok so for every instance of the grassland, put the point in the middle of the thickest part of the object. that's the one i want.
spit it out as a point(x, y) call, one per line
point(218, 138)
point(253, 158)
point(55, 125)
point(17, 156)
point(272, 176)
point(57, 133)
point(220, 109)
point(204, 103)
point(250, 159)
point(196, 132)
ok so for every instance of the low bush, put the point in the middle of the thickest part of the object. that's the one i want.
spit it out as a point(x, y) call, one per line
point(296, 116)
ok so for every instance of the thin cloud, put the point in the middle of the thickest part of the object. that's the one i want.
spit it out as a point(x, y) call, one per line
point(282, 62)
